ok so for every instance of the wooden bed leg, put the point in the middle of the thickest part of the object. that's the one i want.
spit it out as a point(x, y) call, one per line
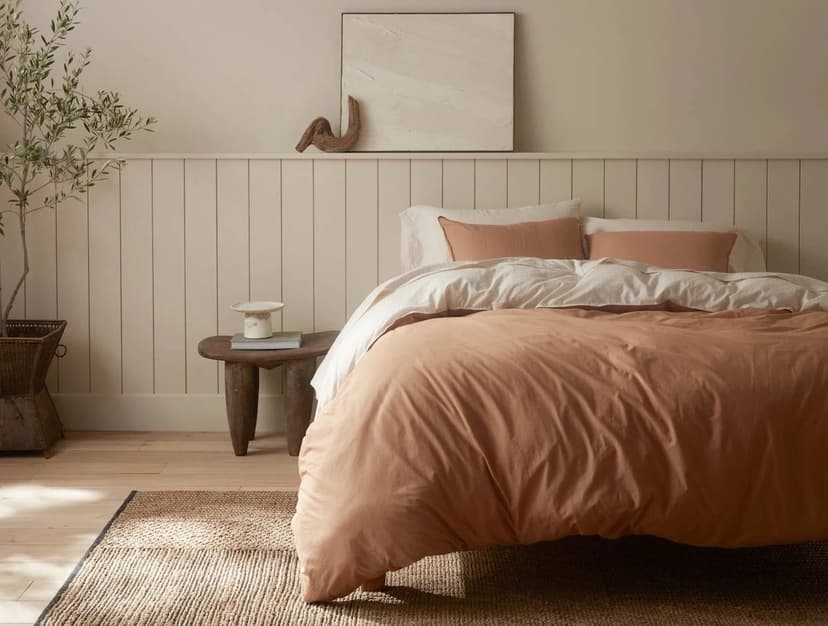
point(375, 584)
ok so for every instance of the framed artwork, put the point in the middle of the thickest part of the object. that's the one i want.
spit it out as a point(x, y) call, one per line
point(437, 82)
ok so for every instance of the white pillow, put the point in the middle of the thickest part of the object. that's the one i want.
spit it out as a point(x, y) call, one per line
point(422, 241)
point(746, 255)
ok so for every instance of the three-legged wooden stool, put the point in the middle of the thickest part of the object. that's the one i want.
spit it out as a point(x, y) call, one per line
point(241, 384)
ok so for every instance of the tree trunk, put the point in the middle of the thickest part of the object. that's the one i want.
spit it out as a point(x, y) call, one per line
point(2, 319)
point(22, 279)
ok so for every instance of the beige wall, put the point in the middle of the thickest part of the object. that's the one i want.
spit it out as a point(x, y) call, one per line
point(592, 75)
point(149, 263)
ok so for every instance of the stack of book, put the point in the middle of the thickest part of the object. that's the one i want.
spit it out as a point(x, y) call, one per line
point(279, 341)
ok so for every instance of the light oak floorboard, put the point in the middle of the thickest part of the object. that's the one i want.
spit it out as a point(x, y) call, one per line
point(40, 591)
point(12, 587)
point(52, 509)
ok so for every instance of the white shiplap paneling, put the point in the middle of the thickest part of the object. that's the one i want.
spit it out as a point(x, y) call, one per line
point(813, 219)
point(620, 188)
point(393, 195)
point(266, 231)
point(361, 254)
point(685, 189)
point(329, 293)
point(750, 194)
point(783, 215)
point(73, 295)
point(201, 277)
point(232, 243)
point(174, 241)
point(297, 244)
point(717, 191)
point(523, 182)
point(653, 189)
point(266, 248)
point(105, 285)
point(136, 277)
point(458, 183)
point(426, 182)
point(40, 293)
point(168, 276)
point(588, 185)
point(555, 180)
point(491, 184)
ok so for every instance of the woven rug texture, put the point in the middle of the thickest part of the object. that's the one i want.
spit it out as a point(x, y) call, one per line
point(199, 558)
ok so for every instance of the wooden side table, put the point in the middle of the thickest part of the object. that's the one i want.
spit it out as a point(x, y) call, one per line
point(241, 384)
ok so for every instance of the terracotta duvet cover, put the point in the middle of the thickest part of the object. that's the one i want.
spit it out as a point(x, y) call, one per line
point(530, 420)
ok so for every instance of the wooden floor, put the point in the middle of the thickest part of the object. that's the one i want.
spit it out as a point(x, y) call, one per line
point(52, 509)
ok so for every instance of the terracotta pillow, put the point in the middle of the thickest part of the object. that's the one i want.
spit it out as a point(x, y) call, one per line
point(549, 239)
point(686, 250)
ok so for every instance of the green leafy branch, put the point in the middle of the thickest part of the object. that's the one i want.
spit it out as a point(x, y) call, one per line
point(59, 125)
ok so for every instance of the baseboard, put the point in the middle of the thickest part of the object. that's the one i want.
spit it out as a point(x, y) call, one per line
point(181, 412)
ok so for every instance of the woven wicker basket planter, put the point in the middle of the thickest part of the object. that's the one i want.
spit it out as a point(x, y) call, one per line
point(28, 417)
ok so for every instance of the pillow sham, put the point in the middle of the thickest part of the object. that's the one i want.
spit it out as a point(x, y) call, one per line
point(422, 241)
point(681, 250)
point(745, 256)
point(550, 239)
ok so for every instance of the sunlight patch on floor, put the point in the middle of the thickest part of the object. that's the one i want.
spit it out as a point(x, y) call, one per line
point(17, 499)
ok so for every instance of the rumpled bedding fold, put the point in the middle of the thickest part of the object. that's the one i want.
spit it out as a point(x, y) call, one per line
point(527, 422)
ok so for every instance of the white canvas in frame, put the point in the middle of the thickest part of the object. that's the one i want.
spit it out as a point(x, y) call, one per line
point(430, 81)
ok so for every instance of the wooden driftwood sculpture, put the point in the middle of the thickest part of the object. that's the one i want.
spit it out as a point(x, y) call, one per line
point(319, 132)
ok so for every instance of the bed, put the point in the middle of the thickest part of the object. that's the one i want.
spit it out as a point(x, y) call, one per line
point(517, 400)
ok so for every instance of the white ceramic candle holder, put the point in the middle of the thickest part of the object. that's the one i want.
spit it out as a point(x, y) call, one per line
point(257, 320)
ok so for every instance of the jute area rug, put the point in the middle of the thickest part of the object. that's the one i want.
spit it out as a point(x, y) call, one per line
point(188, 558)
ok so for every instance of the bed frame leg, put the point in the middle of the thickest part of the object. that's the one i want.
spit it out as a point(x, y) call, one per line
point(375, 584)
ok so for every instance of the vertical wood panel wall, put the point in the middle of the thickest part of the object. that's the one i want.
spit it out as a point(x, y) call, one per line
point(151, 260)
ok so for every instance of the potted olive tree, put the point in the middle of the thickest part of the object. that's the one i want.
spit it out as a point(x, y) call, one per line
point(58, 126)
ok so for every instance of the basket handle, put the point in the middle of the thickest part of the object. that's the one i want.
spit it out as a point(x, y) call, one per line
point(61, 353)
